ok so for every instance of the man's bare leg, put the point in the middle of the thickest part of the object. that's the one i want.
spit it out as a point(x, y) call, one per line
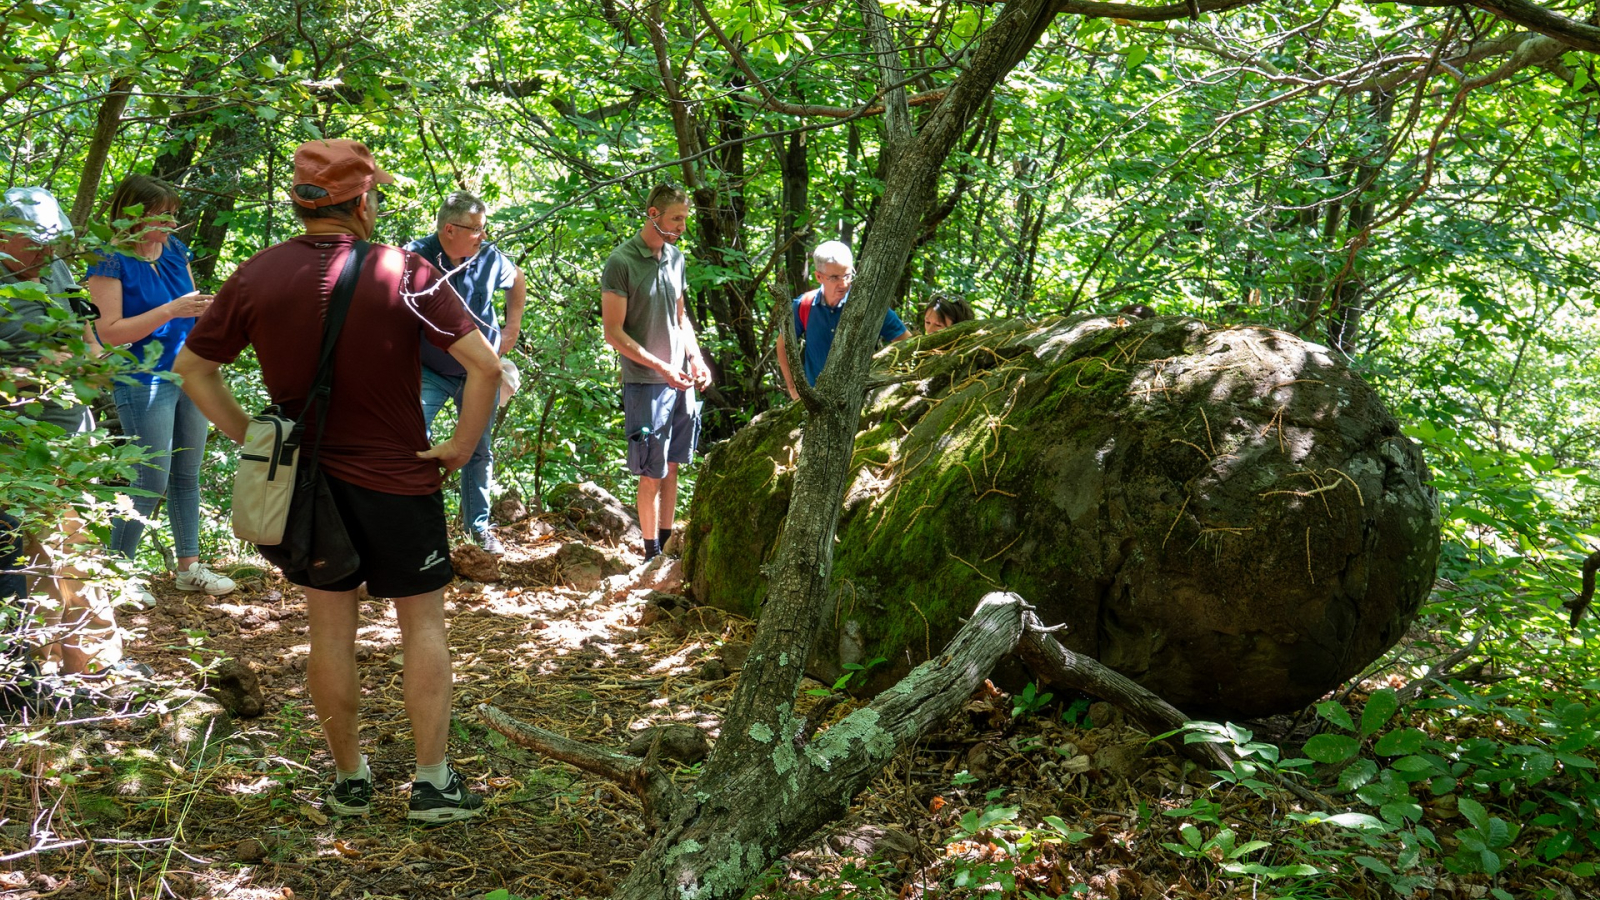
point(649, 490)
point(428, 678)
point(666, 503)
point(331, 672)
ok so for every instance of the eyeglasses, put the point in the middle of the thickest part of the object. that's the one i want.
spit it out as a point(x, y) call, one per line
point(472, 231)
point(846, 278)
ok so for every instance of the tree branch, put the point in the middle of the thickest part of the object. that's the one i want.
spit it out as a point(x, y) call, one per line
point(1529, 15)
point(897, 114)
point(1064, 669)
point(791, 354)
point(1580, 605)
point(662, 799)
point(1163, 13)
point(792, 787)
point(1437, 672)
point(1532, 16)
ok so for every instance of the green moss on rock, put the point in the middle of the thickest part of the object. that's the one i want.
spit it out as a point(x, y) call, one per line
point(1227, 515)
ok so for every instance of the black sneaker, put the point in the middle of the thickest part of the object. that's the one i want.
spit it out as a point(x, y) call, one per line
point(491, 543)
point(454, 803)
point(351, 797)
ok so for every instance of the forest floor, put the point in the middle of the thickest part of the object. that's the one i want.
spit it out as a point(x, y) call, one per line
point(124, 813)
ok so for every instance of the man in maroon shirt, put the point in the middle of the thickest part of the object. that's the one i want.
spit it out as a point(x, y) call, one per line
point(384, 476)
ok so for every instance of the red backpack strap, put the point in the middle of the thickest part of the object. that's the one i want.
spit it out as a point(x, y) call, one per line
point(805, 308)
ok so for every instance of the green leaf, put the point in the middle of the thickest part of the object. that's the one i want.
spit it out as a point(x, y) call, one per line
point(1249, 847)
point(1401, 811)
point(1575, 761)
point(1334, 712)
point(1136, 55)
point(1413, 764)
point(1555, 845)
point(1357, 774)
point(1359, 821)
point(1401, 742)
point(1381, 706)
point(1374, 864)
point(1474, 812)
point(1332, 748)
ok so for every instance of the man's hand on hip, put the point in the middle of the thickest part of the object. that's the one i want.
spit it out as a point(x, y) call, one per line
point(451, 454)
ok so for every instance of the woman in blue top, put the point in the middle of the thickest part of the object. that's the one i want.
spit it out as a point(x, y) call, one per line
point(147, 301)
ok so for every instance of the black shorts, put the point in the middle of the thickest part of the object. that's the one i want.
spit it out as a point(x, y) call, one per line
point(402, 539)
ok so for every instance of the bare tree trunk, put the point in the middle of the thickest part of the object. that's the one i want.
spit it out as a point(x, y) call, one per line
point(795, 169)
point(847, 197)
point(106, 124)
point(1346, 294)
point(1062, 668)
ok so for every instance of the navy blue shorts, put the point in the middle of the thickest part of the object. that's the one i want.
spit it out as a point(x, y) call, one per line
point(663, 425)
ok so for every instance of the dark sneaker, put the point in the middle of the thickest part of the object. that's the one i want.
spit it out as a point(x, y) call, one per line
point(490, 543)
point(454, 803)
point(351, 797)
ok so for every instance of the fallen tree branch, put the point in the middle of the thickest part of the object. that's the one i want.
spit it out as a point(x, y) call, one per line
point(662, 799)
point(1064, 669)
point(780, 797)
point(1438, 672)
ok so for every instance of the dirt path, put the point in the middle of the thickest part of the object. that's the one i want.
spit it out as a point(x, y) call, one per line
point(129, 820)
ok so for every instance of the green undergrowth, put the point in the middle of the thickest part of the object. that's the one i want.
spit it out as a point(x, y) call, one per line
point(1465, 792)
point(1482, 781)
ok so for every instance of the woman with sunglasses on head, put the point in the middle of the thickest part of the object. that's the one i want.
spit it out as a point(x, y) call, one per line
point(145, 292)
point(942, 312)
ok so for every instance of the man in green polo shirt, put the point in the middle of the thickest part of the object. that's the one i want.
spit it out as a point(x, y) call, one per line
point(641, 305)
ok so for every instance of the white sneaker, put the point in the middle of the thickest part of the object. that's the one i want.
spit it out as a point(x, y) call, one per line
point(135, 594)
point(200, 578)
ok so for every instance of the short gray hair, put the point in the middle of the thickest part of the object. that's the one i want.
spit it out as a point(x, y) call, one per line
point(458, 204)
point(832, 252)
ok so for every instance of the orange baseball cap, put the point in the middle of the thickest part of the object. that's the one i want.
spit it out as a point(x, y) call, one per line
point(343, 168)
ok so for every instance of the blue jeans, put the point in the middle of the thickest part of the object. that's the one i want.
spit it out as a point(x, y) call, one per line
point(163, 420)
point(436, 389)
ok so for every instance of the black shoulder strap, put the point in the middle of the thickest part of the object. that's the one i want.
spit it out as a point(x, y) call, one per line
point(338, 306)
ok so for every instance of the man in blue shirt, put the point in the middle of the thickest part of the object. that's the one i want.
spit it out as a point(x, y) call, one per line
point(816, 313)
point(477, 270)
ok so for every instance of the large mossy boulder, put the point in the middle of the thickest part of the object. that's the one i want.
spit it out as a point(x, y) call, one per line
point(1228, 516)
